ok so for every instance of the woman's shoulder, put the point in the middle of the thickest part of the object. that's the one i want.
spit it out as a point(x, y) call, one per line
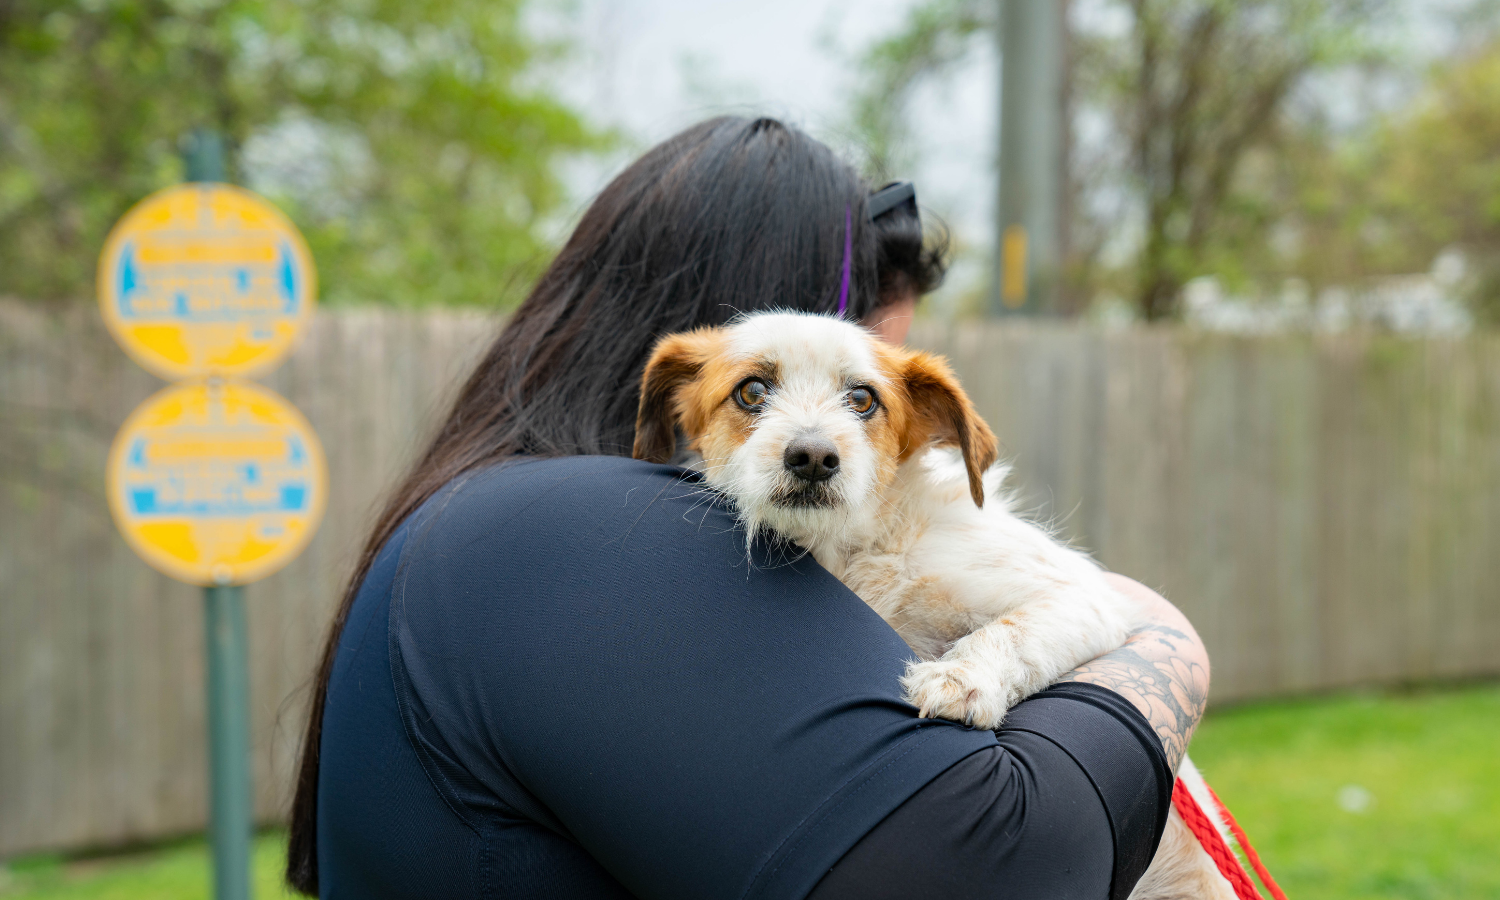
point(574, 498)
point(569, 477)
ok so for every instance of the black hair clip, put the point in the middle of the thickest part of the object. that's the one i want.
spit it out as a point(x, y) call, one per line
point(896, 194)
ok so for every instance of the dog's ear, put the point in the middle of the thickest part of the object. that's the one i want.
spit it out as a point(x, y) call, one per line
point(949, 418)
point(676, 361)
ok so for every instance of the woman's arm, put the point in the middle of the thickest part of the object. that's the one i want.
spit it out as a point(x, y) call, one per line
point(1162, 669)
point(1029, 813)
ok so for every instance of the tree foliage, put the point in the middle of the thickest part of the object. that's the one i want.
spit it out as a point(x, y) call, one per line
point(1185, 93)
point(1195, 89)
point(935, 35)
point(1421, 180)
point(407, 138)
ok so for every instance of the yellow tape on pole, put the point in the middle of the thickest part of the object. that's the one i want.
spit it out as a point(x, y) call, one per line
point(1013, 268)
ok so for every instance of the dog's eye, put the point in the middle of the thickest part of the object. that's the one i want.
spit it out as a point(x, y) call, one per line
point(861, 400)
point(751, 394)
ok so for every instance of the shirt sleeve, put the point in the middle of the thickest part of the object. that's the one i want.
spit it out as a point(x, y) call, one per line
point(1070, 803)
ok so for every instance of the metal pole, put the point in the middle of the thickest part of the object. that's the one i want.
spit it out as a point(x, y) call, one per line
point(231, 809)
point(229, 739)
point(1027, 226)
point(203, 155)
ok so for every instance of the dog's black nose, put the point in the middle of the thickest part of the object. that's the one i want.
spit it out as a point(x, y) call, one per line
point(811, 458)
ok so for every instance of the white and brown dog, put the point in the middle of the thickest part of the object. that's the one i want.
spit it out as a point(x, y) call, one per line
point(843, 444)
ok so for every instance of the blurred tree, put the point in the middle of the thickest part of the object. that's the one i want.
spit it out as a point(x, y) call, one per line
point(1195, 88)
point(407, 138)
point(1181, 93)
point(935, 36)
point(1423, 179)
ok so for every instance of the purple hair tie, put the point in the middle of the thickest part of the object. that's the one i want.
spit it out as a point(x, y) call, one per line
point(848, 260)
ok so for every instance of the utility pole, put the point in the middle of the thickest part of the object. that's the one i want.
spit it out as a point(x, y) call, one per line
point(1027, 232)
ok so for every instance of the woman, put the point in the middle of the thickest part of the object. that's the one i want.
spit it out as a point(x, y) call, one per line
point(555, 673)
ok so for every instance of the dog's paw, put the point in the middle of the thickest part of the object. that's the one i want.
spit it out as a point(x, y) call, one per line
point(951, 689)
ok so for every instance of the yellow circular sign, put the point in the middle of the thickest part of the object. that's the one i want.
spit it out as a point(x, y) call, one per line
point(219, 482)
point(205, 280)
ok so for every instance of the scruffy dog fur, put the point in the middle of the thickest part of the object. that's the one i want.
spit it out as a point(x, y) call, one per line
point(872, 458)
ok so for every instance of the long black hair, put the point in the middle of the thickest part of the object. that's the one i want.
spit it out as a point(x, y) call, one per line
point(731, 216)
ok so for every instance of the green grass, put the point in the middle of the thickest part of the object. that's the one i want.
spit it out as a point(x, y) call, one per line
point(178, 871)
point(1347, 798)
point(1364, 797)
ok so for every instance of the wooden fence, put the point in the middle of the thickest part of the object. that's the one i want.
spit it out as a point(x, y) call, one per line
point(1325, 510)
point(101, 659)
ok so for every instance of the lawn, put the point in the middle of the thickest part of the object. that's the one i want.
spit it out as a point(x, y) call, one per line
point(1391, 796)
point(1361, 797)
point(177, 871)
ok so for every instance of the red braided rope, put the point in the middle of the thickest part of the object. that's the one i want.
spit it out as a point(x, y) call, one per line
point(1213, 842)
point(1239, 835)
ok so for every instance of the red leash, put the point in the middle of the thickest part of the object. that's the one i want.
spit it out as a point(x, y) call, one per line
point(1213, 842)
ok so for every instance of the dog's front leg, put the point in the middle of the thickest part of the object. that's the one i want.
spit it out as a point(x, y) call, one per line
point(992, 669)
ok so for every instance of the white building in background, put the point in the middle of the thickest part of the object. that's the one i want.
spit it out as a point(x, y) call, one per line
point(1426, 304)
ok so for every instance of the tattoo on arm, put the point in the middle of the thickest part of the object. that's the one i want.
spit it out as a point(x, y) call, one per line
point(1166, 682)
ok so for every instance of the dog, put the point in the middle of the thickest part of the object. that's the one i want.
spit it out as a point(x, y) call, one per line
point(872, 459)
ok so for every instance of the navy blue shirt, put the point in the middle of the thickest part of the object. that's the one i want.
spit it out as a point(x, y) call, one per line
point(573, 678)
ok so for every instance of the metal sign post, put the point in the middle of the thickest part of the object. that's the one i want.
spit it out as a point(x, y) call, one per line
point(231, 808)
point(231, 797)
point(203, 156)
point(214, 481)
